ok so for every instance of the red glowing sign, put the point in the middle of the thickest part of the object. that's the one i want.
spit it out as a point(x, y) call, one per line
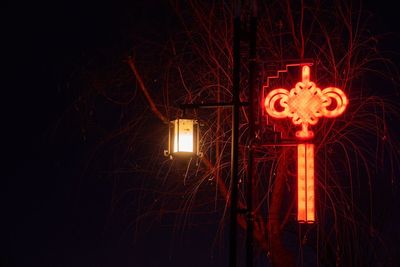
point(305, 104)
point(305, 183)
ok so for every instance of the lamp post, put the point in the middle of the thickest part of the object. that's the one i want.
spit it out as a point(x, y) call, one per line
point(235, 137)
point(184, 134)
point(184, 142)
point(306, 104)
point(250, 165)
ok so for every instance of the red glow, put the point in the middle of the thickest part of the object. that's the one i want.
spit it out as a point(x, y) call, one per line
point(305, 103)
point(305, 183)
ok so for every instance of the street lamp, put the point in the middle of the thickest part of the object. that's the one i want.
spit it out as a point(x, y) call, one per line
point(183, 128)
point(183, 138)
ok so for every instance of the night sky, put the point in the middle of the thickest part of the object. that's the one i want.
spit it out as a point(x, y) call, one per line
point(54, 213)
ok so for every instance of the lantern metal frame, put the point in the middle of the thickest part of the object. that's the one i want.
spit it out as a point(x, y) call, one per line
point(173, 130)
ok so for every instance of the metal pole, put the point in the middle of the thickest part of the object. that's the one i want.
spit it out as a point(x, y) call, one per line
point(250, 171)
point(235, 137)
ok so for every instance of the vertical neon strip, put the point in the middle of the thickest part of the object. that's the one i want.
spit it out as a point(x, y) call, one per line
point(301, 183)
point(305, 183)
point(310, 183)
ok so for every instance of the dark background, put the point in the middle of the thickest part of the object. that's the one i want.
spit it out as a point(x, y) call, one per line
point(56, 211)
point(51, 213)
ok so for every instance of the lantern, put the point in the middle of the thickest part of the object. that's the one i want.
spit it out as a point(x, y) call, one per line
point(183, 138)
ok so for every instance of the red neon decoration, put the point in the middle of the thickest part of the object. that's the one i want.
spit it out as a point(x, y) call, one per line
point(305, 183)
point(305, 104)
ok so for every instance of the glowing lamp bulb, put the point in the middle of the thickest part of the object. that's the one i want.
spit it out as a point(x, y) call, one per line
point(183, 136)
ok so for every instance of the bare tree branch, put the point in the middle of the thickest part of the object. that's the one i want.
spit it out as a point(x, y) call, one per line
point(146, 92)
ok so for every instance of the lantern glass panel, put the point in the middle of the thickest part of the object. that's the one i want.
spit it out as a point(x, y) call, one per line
point(183, 136)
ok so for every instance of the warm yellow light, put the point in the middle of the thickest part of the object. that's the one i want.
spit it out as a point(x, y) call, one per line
point(305, 183)
point(183, 136)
